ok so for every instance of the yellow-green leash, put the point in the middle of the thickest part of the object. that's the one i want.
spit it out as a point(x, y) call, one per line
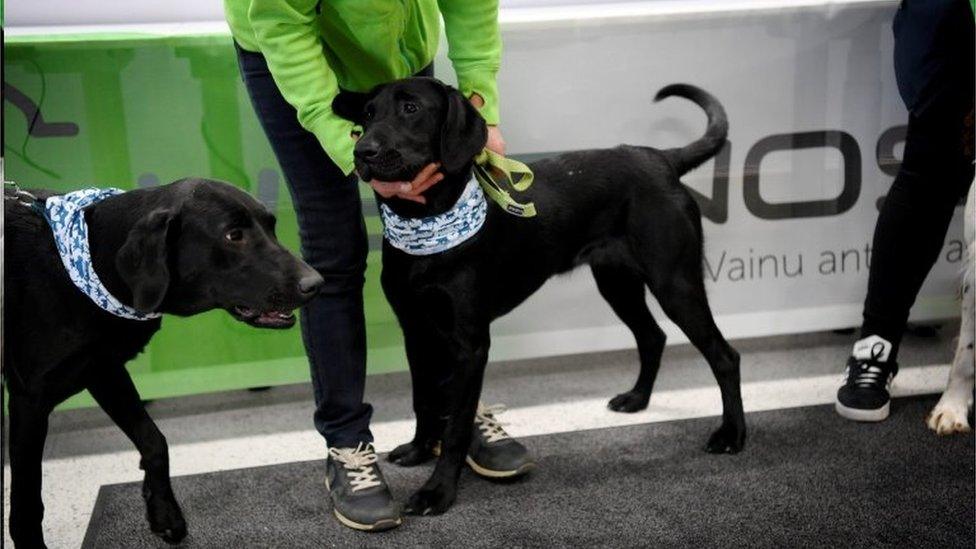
point(490, 167)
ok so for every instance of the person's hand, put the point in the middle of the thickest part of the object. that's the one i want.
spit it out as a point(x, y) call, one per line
point(409, 190)
point(496, 142)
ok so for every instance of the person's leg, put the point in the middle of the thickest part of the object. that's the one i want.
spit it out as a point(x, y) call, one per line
point(334, 242)
point(912, 224)
point(934, 68)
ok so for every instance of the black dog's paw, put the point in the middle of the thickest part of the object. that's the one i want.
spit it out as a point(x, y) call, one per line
point(410, 454)
point(431, 500)
point(26, 535)
point(165, 518)
point(726, 440)
point(629, 402)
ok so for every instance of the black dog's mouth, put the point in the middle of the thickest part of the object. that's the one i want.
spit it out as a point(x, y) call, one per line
point(274, 319)
point(388, 167)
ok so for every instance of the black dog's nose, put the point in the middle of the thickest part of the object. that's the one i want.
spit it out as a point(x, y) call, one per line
point(310, 283)
point(366, 149)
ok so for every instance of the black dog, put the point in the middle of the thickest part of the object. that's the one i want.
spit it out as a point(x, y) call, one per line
point(183, 248)
point(623, 211)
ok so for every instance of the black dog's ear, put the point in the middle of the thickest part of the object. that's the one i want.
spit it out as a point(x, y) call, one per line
point(464, 132)
point(142, 260)
point(351, 105)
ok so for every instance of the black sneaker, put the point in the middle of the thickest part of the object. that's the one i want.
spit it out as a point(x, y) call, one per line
point(493, 453)
point(864, 395)
point(360, 496)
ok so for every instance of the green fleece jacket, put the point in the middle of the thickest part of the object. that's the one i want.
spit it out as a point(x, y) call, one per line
point(316, 47)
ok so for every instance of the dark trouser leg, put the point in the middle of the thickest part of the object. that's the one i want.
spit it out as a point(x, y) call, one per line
point(911, 228)
point(934, 68)
point(334, 242)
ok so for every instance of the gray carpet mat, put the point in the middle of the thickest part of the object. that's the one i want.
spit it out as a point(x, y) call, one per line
point(806, 479)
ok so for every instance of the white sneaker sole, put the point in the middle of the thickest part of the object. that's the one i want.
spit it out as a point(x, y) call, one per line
point(860, 414)
point(488, 473)
point(378, 526)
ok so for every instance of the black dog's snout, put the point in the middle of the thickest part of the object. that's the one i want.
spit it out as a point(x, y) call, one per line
point(366, 149)
point(310, 283)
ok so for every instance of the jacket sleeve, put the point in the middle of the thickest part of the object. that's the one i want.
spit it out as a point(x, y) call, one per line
point(475, 49)
point(287, 34)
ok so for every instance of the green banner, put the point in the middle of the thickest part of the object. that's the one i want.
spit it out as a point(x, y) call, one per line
point(140, 110)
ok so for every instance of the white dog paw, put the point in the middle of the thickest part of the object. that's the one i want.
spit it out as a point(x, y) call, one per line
point(948, 418)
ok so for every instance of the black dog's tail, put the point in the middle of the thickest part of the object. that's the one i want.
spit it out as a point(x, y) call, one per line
point(695, 154)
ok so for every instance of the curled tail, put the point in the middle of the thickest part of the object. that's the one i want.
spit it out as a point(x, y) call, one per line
point(694, 154)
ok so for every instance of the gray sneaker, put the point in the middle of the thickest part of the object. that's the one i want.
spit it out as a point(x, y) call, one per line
point(493, 453)
point(360, 497)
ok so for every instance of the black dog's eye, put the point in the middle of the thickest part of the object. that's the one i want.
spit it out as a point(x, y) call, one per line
point(410, 108)
point(369, 113)
point(234, 235)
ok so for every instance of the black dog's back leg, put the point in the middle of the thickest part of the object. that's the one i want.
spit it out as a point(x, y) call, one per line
point(28, 431)
point(623, 289)
point(685, 302)
point(115, 393)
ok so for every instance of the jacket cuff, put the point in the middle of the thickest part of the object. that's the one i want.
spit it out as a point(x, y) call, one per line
point(333, 134)
point(482, 81)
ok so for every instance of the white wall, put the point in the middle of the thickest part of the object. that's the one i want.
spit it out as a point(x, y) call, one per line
point(20, 13)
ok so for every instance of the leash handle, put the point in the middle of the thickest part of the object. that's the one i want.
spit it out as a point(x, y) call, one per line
point(488, 163)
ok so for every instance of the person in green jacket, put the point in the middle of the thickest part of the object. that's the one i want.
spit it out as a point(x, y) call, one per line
point(294, 57)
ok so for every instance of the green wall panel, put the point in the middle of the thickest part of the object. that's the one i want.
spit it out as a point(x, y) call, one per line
point(137, 110)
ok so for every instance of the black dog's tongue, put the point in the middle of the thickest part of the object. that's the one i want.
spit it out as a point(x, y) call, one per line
point(265, 318)
point(273, 316)
point(246, 312)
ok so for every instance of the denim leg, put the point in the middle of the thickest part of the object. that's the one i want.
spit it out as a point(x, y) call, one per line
point(334, 242)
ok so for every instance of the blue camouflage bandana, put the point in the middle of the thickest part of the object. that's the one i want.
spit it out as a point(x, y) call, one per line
point(437, 233)
point(66, 215)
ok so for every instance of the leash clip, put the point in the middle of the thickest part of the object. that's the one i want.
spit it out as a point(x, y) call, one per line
point(12, 191)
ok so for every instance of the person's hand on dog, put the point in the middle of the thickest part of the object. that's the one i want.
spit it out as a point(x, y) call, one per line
point(410, 190)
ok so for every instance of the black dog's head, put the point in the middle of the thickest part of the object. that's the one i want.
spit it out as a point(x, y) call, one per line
point(204, 244)
point(410, 123)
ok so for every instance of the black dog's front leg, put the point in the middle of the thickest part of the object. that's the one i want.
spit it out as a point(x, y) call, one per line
point(440, 491)
point(427, 376)
point(28, 431)
point(115, 393)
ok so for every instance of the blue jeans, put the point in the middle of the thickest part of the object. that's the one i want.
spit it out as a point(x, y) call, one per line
point(334, 242)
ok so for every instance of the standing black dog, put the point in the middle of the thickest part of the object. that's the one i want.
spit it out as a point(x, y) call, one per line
point(623, 211)
point(183, 248)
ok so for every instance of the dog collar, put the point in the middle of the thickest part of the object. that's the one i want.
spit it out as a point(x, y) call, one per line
point(66, 216)
point(437, 233)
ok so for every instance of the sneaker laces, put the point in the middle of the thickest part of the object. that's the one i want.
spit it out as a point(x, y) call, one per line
point(490, 427)
point(867, 372)
point(358, 463)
